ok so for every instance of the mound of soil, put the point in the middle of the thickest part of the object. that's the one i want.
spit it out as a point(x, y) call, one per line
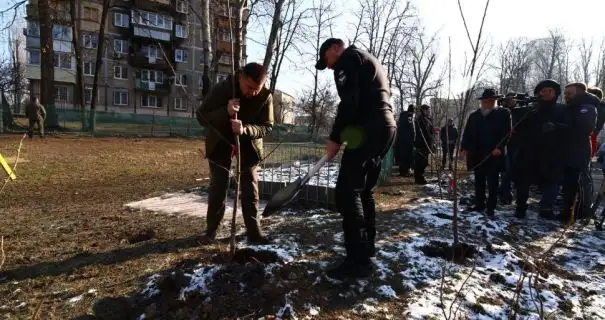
point(457, 254)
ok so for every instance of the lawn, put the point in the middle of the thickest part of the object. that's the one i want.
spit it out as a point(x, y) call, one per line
point(66, 231)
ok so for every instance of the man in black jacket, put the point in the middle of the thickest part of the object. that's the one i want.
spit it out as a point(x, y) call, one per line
point(448, 136)
point(600, 109)
point(539, 155)
point(484, 143)
point(404, 144)
point(365, 121)
point(579, 118)
point(505, 193)
point(423, 143)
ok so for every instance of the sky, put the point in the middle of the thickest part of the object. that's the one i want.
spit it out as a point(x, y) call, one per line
point(505, 19)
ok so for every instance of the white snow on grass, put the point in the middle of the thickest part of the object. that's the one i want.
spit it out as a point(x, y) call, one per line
point(326, 176)
point(91, 292)
point(572, 284)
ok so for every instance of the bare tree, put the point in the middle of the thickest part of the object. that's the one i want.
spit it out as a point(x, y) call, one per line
point(100, 50)
point(319, 104)
point(583, 71)
point(514, 65)
point(75, 40)
point(276, 25)
point(289, 34)
point(47, 70)
point(418, 76)
point(12, 12)
point(599, 69)
point(206, 45)
point(18, 81)
point(549, 56)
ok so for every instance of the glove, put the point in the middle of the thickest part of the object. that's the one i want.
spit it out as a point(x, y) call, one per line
point(548, 127)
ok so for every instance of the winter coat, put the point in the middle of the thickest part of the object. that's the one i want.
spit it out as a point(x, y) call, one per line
point(405, 131)
point(423, 130)
point(601, 157)
point(448, 135)
point(600, 117)
point(539, 157)
point(35, 111)
point(256, 114)
point(482, 135)
point(578, 122)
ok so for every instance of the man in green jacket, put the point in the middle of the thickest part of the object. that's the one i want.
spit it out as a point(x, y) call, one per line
point(248, 114)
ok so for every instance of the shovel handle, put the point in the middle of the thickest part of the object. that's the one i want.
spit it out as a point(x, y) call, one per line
point(315, 168)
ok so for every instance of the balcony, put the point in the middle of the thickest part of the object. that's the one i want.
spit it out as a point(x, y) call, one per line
point(152, 87)
point(142, 62)
point(153, 5)
point(127, 4)
point(151, 34)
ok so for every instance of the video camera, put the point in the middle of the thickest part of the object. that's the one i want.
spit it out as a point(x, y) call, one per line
point(524, 99)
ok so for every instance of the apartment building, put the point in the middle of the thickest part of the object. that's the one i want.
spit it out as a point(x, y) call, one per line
point(152, 60)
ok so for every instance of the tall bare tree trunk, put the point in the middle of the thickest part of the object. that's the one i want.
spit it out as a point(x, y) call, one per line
point(238, 35)
point(75, 40)
point(47, 69)
point(207, 46)
point(95, 81)
point(276, 24)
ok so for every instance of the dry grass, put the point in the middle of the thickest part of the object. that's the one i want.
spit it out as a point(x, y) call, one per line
point(65, 229)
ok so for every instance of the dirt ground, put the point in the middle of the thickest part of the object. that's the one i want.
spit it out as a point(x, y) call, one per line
point(66, 232)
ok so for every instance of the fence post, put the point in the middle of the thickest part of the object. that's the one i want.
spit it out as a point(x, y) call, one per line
point(152, 122)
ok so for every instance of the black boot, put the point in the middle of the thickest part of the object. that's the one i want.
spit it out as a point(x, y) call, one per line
point(420, 180)
point(490, 212)
point(520, 212)
point(349, 269)
point(547, 214)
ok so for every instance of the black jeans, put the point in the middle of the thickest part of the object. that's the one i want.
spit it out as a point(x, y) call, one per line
point(577, 184)
point(406, 158)
point(354, 195)
point(491, 178)
point(448, 152)
point(421, 161)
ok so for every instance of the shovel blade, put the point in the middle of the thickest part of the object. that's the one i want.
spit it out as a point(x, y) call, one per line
point(283, 197)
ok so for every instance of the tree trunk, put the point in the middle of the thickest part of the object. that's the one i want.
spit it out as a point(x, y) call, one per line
point(47, 69)
point(207, 46)
point(75, 40)
point(237, 34)
point(95, 81)
point(275, 27)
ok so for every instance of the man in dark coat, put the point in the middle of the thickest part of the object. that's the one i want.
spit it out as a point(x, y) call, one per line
point(600, 115)
point(404, 145)
point(248, 114)
point(448, 136)
point(580, 117)
point(365, 120)
point(423, 143)
point(538, 159)
point(484, 143)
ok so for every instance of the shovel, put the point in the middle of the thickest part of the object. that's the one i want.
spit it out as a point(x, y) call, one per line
point(287, 194)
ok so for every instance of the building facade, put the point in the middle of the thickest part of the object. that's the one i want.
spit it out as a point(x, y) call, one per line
point(283, 107)
point(153, 54)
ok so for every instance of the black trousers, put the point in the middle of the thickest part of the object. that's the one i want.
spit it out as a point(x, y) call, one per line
point(354, 195)
point(421, 161)
point(405, 158)
point(489, 177)
point(577, 185)
point(448, 152)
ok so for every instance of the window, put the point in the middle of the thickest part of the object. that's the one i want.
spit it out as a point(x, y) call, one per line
point(225, 59)
point(201, 58)
point(89, 68)
point(34, 57)
point(120, 98)
point(62, 60)
point(61, 94)
point(90, 40)
point(181, 31)
point(120, 20)
point(226, 35)
point(152, 76)
point(181, 6)
point(120, 72)
point(180, 104)
point(152, 52)
point(91, 14)
point(180, 55)
point(120, 46)
point(151, 19)
point(221, 77)
point(87, 95)
point(201, 81)
point(33, 29)
point(180, 80)
point(61, 33)
point(149, 101)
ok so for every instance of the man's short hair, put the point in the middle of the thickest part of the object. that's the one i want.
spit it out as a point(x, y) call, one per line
point(425, 107)
point(255, 71)
point(596, 91)
point(578, 85)
point(511, 94)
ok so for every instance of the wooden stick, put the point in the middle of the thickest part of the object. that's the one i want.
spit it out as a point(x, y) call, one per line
point(237, 145)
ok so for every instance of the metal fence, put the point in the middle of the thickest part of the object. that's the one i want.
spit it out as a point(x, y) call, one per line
point(286, 162)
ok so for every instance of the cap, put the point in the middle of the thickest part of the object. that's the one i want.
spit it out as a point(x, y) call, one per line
point(321, 63)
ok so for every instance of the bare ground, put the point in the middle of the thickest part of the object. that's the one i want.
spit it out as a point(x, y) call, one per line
point(67, 234)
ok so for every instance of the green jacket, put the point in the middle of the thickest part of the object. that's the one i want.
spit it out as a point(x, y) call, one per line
point(256, 114)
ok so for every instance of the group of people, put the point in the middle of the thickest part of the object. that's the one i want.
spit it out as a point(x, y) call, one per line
point(415, 142)
point(539, 142)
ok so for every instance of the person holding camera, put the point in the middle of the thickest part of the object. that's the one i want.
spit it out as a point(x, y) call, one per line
point(423, 143)
point(404, 144)
point(506, 196)
point(448, 136)
point(539, 155)
point(484, 143)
